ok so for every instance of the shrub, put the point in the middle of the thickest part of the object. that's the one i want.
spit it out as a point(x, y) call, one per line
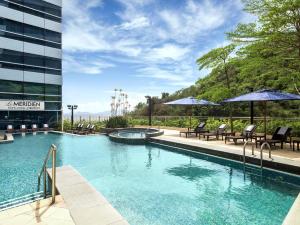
point(117, 122)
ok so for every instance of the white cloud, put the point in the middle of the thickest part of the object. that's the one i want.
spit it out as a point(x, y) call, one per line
point(167, 51)
point(185, 25)
point(83, 65)
point(136, 23)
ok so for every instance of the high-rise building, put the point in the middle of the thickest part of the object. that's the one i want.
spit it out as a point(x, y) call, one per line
point(30, 62)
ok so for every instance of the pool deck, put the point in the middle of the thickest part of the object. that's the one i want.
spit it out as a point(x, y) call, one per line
point(292, 217)
point(41, 212)
point(217, 147)
point(85, 203)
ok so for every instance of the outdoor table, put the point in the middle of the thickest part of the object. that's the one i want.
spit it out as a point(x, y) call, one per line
point(296, 142)
point(258, 136)
point(225, 134)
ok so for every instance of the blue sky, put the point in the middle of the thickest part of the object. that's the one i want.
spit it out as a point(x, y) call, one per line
point(144, 47)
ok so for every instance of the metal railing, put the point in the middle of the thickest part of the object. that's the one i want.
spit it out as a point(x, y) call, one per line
point(261, 152)
point(52, 151)
point(244, 150)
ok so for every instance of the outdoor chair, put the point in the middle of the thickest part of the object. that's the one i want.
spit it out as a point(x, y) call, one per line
point(221, 129)
point(23, 128)
point(78, 128)
point(46, 127)
point(92, 129)
point(34, 128)
point(83, 130)
point(281, 135)
point(247, 134)
point(197, 130)
point(10, 129)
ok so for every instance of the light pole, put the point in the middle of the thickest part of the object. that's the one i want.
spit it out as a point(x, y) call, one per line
point(149, 101)
point(72, 108)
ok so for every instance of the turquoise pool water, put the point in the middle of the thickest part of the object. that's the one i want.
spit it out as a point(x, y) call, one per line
point(149, 184)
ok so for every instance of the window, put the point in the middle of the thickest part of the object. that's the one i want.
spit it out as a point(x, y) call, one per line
point(34, 88)
point(20, 37)
point(28, 30)
point(52, 106)
point(52, 89)
point(11, 86)
point(35, 7)
point(11, 56)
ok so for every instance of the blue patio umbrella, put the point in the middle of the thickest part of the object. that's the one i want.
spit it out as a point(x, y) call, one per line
point(191, 101)
point(264, 96)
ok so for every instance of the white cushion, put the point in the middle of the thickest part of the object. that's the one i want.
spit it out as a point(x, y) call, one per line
point(23, 127)
point(45, 125)
point(9, 127)
point(34, 126)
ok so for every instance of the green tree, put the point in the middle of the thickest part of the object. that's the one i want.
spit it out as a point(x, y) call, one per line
point(275, 34)
point(218, 59)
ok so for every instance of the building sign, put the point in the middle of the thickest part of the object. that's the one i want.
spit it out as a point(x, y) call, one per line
point(22, 105)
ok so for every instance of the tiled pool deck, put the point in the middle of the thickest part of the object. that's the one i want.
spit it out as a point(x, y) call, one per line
point(283, 156)
point(41, 212)
point(87, 206)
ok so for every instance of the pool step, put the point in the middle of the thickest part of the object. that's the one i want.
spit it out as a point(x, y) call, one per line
point(21, 200)
point(253, 170)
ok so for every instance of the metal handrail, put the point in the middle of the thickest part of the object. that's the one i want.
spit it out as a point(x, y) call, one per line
point(261, 152)
point(52, 151)
point(244, 150)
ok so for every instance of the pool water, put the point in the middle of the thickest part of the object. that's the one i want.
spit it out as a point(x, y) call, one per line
point(132, 134)
point(148, 184)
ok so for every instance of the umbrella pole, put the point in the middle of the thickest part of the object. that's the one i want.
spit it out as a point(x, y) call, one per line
point(265, 119)
point(191, 112)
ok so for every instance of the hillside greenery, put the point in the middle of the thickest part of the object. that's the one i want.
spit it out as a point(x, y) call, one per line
point(264, 54)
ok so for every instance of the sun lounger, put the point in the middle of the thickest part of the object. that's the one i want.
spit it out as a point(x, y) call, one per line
point(198, 130)
point(92, 129)
point(247, 134)
point(221, 129)
point(23, 128)
point(34, 128)
point(10, 129)
point(280, 136)
point(77, 129)
point(46, 127)
point(83, 130)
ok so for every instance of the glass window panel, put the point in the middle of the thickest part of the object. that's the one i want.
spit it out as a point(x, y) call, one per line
point(34, 97)
point(33, 31)
point(34, 88)
point(53, 63)
point(35, 60)
point(52, 106)
point(53, 98)
point(11, 96)
point(51, 89)
point(52, 36)
point(11, 56)
point(11, 86)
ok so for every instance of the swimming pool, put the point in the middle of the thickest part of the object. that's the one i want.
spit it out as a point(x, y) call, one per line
point(149, 184)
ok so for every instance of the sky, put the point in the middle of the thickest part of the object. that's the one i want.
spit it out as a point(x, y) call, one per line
point(144, 47)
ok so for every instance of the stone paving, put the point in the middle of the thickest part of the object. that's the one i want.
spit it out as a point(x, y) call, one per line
point(285, 155)
point(41, 212)
point(87, 206)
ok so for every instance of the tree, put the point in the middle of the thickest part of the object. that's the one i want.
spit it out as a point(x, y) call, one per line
point(219, 59)
point(277, 32)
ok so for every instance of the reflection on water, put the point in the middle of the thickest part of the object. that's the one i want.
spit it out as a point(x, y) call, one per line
point(190, 172)
point(119, 160)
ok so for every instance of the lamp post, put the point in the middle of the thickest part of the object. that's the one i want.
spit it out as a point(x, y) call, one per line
point(72, 108)
point(150, 102)
point(251, 107)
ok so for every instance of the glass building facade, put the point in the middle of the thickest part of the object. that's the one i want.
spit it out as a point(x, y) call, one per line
point(30, 62)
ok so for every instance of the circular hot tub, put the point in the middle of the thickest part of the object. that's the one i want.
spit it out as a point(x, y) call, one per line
point(134, 135)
